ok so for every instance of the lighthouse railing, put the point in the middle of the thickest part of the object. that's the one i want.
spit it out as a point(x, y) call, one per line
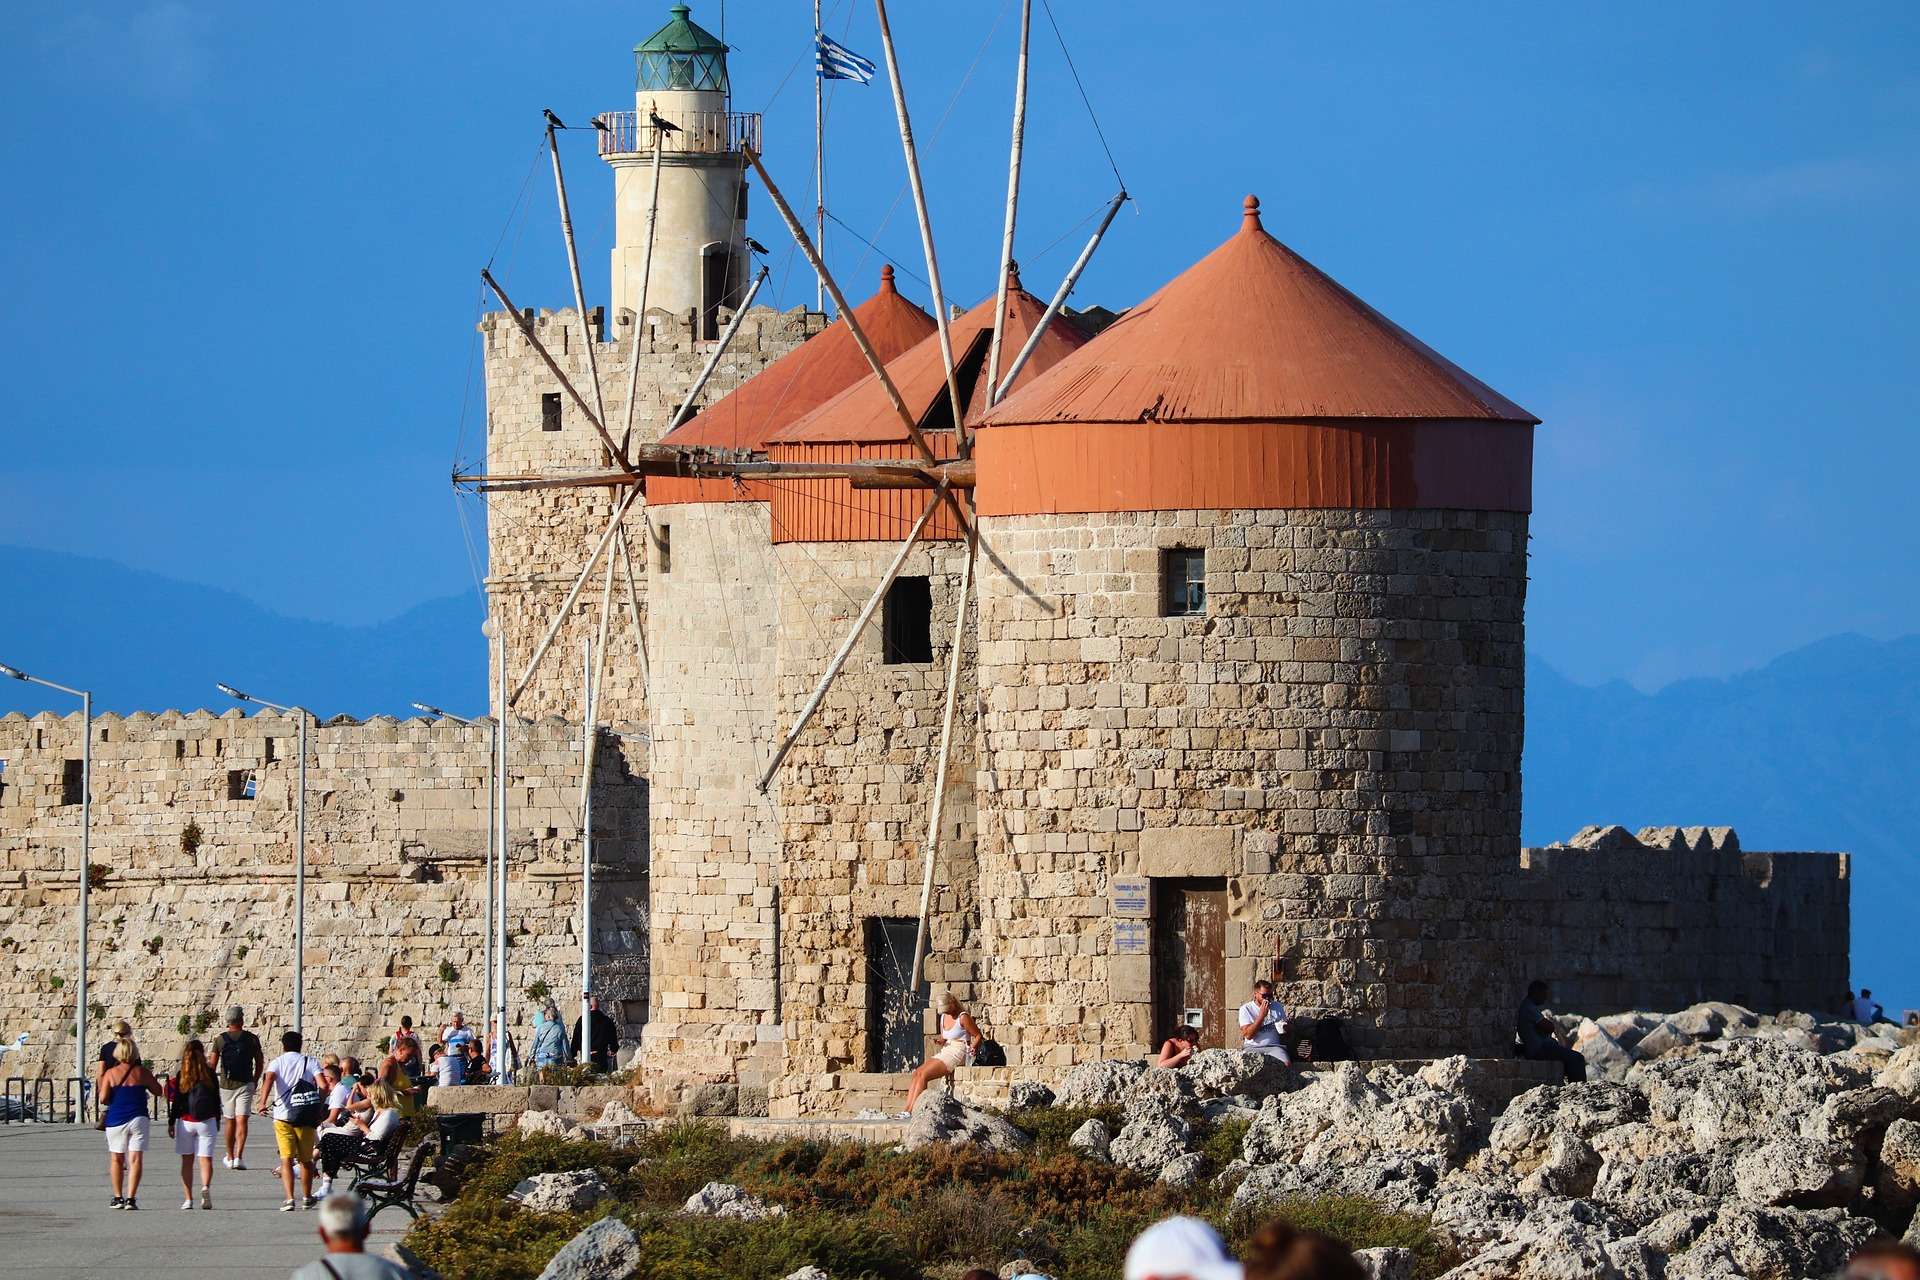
point(713, 132)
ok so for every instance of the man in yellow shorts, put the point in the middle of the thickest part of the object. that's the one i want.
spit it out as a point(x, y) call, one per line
point(291, 1086)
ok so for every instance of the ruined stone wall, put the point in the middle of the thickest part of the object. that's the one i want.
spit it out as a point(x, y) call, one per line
point(854, 794)
point(192, 904)
point(538, 541)
point(712, 631)
point(1619, 929)
point(1338, 739)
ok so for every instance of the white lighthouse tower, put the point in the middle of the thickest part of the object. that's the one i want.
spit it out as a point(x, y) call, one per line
point(682, 106)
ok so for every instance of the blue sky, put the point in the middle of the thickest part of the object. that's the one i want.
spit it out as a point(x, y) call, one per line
point(241, 248)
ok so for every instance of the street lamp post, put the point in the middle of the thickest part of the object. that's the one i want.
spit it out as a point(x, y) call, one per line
point(86, 869)
point(300, 854)
point(492, 753)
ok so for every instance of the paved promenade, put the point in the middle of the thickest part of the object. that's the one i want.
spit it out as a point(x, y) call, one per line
point(55, 1223)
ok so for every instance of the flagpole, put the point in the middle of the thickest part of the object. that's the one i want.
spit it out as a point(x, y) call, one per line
point(819, 163)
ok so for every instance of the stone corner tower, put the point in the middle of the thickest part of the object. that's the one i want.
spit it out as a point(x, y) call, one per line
point(683, 111)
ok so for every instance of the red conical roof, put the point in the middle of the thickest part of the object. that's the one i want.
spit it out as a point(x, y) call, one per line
point(807, 376)
point(1254, 332)
point(863, 414)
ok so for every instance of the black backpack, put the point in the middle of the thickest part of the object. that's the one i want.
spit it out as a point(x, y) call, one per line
point(237, 1056)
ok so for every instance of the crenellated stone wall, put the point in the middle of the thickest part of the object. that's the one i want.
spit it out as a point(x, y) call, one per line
point(191, 907)
point(539, 540)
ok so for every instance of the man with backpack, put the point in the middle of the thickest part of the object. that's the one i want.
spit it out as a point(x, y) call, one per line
point(238, 1060)
point(291, 1086)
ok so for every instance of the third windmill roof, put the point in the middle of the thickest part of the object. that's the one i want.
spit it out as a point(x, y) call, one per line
point(1254, 332)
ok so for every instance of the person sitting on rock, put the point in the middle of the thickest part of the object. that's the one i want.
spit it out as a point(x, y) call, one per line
point(959, 1037)
point(1541, 1038)
point(1178, 1049)
point(1263, 1024)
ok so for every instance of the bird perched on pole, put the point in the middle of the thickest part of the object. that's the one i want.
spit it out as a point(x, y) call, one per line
point(653, 118)
point(755, 245)
point(553, 121)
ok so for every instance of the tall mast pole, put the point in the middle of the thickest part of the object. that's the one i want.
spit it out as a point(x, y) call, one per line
point(573, 270)
point(486, 973)
point(499, 976)
point(1060, 297)
point(819, 162)
point(586, 850)
point(86, 877)
point(926, 226)
point(646, 278)
point(1013, 203)
point(300, 886)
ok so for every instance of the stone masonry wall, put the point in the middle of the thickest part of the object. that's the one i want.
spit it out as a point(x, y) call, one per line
point(854, 795)
point(1338, 738)
point(192, 904)
point(716, 839)
point(1642, 929)
point(538, 541)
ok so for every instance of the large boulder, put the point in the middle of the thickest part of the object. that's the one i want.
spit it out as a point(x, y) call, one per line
point(1607, 1058)
point(1158, 1092)
point(940, 1119)
point(1028, 1094)
point(606, 1250)
point(1902, 1072)
point(1477, 1212)
point(724, 1200)
point(1092, 1141)
point(1799, 1173)
point(1099, 1084)
point(1569, 1169)
point(1225, 1073)
point(1183, 1172)
point(1523, 1135)
point(1151, 1140)
point(1661, 1040)
point(1898, 1181)
point(1748, 1242)
point(1348, 1114)
point(1385, 1264)
point(1653, 1188)
point(1858, 1119)
point(1562, 1240)
point(572, 1192)
point(550, 1123)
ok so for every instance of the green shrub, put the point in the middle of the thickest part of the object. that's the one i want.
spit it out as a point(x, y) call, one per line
point(1050, 1127)
point(1223, 1143)
point(202, 1020)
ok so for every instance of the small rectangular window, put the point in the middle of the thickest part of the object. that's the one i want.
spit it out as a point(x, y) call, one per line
point(1183, 582)
point(663, 547)
point(73, 781)
point(269, 750)
point(179, 748)
point(906, 622)
point(550, 411)
point(240, 784)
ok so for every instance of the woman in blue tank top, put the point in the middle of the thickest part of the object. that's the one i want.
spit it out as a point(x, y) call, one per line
point(124, 1088)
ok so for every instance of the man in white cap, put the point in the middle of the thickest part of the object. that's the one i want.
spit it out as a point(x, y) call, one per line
point(1180, 1249)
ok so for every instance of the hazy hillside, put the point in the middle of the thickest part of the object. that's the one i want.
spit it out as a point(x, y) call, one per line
point(1816, 750)
point(147, 643)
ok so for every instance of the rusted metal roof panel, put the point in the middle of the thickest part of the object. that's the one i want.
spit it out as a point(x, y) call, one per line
point(864, 413)
point(1048, 468)
point(807, 376)
point(1253, 332)
point(834, 511)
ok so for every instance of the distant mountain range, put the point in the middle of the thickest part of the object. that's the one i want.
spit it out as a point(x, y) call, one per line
point(1815, 750)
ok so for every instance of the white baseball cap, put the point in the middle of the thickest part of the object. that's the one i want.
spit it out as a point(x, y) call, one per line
point(1181, 1249)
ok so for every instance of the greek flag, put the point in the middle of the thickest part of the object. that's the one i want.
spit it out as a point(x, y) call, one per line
point(837, 62)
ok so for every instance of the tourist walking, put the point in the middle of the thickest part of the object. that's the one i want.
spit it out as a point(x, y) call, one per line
point(1540, 1036)
point(193, 1121)
point(124, 1089)
point(238, 1059)
point(606, 1037)
point(103, 1063)
point(959, 1037)
point(1263, 1021)
point(343, 1234)
point(290, 1085)
point(457, 1035)
point(549, 1040)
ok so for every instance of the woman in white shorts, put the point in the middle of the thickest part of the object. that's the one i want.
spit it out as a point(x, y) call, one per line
point(959, 1037)
point(123, 1089)
point(193, 1120)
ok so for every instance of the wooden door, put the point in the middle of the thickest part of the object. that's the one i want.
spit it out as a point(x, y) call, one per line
point(1190, 958)
point(896, 1033)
